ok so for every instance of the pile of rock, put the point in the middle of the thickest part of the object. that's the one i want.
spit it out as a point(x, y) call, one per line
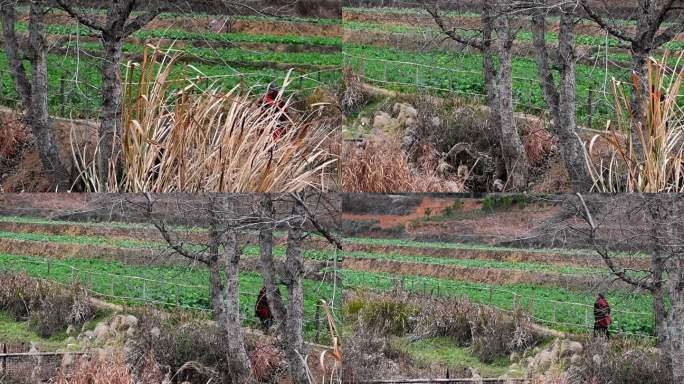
point(104, 333)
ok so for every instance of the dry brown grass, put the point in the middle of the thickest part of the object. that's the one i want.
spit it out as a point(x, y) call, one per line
point(194, 140)
point(660, 168)
point(108, 369)
point(383, 167)
point(13, 136)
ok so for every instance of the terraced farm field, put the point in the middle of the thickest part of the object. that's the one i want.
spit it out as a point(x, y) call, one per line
point(128, 263)
point(249, 52)
point(403, 50)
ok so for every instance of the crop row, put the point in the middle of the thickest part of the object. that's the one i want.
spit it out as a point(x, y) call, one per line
point(562, 309)
point(580, 39)
point(169, 286)
point(382, 242)
point(234, 54)
point(313, 254)
point(462, 74)
point(74, 82)
point(191, 290)
point(173, 34)
point(200, 15)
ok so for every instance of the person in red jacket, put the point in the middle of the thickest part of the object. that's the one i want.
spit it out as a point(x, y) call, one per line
point(602, 319)
point(262, 311)
point(272, 103)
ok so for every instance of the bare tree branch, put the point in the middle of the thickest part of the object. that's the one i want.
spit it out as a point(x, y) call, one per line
point(82, 17)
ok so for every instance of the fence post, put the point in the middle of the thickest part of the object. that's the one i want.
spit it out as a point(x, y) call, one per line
point(318, 322)
point(586, 316)
point(362, 69)
point(417, 77)
point(384, 64)
point(554, 312)
point(62, 98)
point(48, 263)
point(4, 358)
point(531, 308)
point(590, 107)
point(491, 295)
point(529, 95)
point(144, 290)
point(2, 86)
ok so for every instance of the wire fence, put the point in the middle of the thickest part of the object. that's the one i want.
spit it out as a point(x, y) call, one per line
point(130, 289)
point(73, 95)
point(171, 294)
point(593, 110)
point(558, 314)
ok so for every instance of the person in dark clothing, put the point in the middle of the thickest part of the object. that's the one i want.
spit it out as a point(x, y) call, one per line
point(262, 310)
point(271, 102)
point(602, 319)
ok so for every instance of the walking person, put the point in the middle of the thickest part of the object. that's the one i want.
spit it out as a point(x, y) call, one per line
point(602, 319)
point(262, 311)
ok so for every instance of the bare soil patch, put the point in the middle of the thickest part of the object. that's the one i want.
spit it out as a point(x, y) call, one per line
point(262, 27)
point(436, 206)
point(480, 275)
point(28, 175)
point(502, 255)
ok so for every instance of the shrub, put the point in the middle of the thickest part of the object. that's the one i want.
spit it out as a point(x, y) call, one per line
point(14, 135)
point(383, 167)
point(445, 317)
point(49, 308)
point(193, 349)
point(496, 335)
point(109, 368)
point(388, 316)
point(619, 361)
point(493, 203)
point(179, 341)
point(353, 96)
point(381, 314)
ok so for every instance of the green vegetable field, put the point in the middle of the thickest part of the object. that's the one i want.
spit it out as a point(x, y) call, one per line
point(559, 308)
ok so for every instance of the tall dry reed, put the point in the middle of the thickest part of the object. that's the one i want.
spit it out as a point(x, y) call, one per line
point(180, 136)
point(645, 154)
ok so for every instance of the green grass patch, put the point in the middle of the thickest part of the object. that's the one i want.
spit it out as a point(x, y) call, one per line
point(445, 352)
point(12, 331)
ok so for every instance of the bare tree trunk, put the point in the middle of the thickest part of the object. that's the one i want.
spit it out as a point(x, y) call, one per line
point(241, 368)
point(571, 147)
point(541, 54)
point(488, 61)
point(110, 126)
point(275, 301)
point(34, 93)
point(675, 319)
point(295, 304)
point(640, 96)
point(16, 67)
point(39, 116)
point(512, 148)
